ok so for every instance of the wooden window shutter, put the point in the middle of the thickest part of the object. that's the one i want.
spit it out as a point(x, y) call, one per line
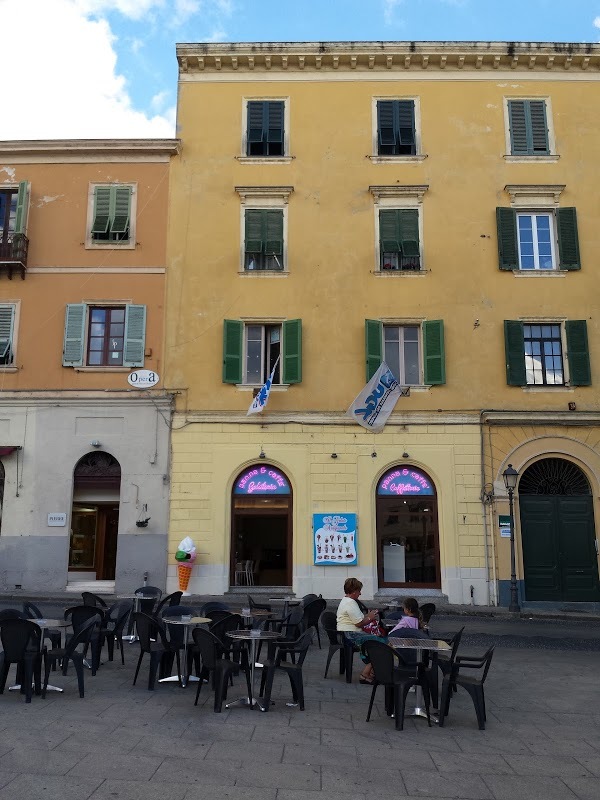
point(255, 129)
point(102, 209)
point(409, 231)
point(389, 231)
point(568, 239)
point(135, 336)
point(517, 116)
point(373, 346)
point(580, 373)
point(122, 209)
point(74, 335)
point(22, 204)
point(434, 361)
point(508, 246)
point(514, 346)
point(255, 224)
point(274, 232)
point(274, 121)
point(7, 321)
point(233, 346)
point(292, 351)
point(406, 123)
point(539, 127)
point(385, 123)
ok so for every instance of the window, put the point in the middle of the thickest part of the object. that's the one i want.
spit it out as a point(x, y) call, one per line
point(265, 134)
point(538, 239)
point(414, 352)
point(539, 352)
point(528, 128)
point(13, 219)
point(8, 213)
point(251, 350)
point(396, 133)
point(399, 247)
point(7, 325)
point(112, 216)
point(104, 336)
point(263, 239)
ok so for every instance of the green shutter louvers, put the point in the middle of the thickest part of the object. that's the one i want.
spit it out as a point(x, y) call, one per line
point(434, 361)
point(135, 336)
point(233, 347)
point(292, 351)
point(578, 353)
point(514, 346)
point(22, 203)
point(74, 335)
point(373, 346)
point(508, 246)
point(568, 239)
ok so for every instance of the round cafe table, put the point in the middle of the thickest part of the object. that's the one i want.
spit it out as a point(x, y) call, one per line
point(188, 623)
point(251, 638)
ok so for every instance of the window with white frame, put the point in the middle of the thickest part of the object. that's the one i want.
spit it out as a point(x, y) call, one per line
point(413, 350)
point(264, 228)
point(537, 237)
point(7, 334)
point(252, 350)
point(111, 216)
point(528, 127)
point(262, 348)
point(104, 335)
point(398, 225)
point(402, 353)
point(543, 351)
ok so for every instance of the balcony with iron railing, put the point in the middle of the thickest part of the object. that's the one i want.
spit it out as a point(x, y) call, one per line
point(13, 254)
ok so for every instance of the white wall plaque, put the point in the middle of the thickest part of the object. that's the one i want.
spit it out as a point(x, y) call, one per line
point(57, 520)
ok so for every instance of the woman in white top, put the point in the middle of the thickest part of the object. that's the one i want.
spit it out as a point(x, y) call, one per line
point(351, 620)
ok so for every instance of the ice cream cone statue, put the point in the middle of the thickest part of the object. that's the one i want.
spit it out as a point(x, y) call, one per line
point(185, 557)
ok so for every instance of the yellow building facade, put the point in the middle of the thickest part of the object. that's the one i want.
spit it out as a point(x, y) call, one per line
point(433, 206)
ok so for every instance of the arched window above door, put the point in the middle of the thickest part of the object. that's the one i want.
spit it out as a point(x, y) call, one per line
point(555, 476)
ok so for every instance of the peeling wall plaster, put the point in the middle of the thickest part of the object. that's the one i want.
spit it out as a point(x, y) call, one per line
point(10, 171)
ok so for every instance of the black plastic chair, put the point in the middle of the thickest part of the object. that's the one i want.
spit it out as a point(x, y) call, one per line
point(258, 606)
point(308, 598)
point(297, 650)
point(216, 668)
point(213, 605)
point(173, 599)
point(91, 599)
point(230, 647)
point(79, 616)
point(149, 596)
point(427, 610)
point(336, 640)
point(445, 661)
point(21, 645)
point(12, 613)
point(68, 653)
point(471, 683)
point(152, 641)
point(392, 671)
point(349, 649)
point(32, 611)
point(312, 614)
point(217, 614)
point(115, 620)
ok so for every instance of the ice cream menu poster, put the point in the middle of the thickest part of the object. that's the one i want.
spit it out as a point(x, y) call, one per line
point(335, 539)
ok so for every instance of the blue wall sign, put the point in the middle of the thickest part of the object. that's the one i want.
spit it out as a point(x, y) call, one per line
point(404, 481)
point(261, 479)
point(335, 539)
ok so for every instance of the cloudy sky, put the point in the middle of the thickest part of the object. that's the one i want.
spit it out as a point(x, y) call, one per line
point(107, 68)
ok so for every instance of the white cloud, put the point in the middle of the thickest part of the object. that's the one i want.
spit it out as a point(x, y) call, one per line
point(67, 84)
point(389, 10)
point(597, 22)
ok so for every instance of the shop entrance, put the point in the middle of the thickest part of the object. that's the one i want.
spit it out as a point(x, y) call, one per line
point(408, 553)
point(261, 530)
point(558, 533)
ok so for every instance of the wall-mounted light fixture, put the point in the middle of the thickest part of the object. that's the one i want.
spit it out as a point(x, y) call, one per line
point(405, 455)
point(334, 455)
point(262, 453)
point(96, 443)
point(373, 454)
point(487, 494)
point(143, 519)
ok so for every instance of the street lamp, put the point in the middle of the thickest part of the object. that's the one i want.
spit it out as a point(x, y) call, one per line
point(510, 476)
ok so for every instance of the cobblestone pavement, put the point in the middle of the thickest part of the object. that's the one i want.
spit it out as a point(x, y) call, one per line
point(122, 742)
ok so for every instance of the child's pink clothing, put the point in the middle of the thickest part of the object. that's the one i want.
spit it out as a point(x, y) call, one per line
point(406, 622)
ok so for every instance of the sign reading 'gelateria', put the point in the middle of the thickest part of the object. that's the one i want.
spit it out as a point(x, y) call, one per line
point(262, 479)
point(405, 481)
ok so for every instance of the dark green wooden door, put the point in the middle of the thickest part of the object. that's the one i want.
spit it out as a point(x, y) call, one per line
point(559, 548)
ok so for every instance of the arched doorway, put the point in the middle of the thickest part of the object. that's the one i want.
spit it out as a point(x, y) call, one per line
point(558, 533)
point(95, 517)
point(408, 551)
point(261, 528)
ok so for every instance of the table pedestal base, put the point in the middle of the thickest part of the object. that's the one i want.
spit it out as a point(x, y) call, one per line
point(49, 688)
point(245, 701)
point(175, 679)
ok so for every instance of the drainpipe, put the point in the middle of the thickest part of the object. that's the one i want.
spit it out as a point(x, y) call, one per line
point(491, 600)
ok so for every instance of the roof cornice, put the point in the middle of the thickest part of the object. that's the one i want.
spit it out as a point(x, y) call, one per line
point(89, 147)
point(279, 57)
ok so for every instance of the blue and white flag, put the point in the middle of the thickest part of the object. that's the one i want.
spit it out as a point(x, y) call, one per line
point(373, 405)
point(260, 401)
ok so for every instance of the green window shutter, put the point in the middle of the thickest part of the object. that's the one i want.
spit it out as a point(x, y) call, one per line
point(274, 120)
point(255, 225)
point(386, 130)
point(578, 354)
point(7, 321)
point(102, 209)
point(274, 232)
point(568, 240)
point(434, 361)
point(135, 336)
point(373, 346)
point(408, 219)
point(389, 231)
point(255, 130)
point(122, 209)
point(514, 346)
point(508, 246)
point(22, 204)
point(233, 346)
point(406, 123)
point(292, 351)
point(539, 127)
point(74, 335)
point(517, 116)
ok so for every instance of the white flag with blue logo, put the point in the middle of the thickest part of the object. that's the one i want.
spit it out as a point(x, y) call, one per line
point(373, 405)
point(260, 401)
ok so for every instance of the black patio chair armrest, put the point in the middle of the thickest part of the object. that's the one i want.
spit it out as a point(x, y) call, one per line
point(469, 662)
